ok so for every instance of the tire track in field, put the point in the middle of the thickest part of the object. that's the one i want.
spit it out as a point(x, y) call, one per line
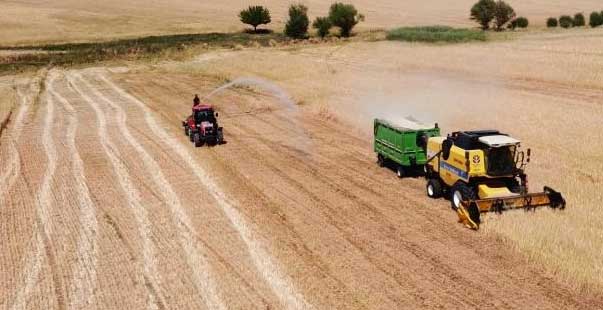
point(150, 272)
point(7, 179)
point(31, 271)
point(201, 269)
point(43, 229)
point(82, 288)
point(263, 261)
point(4, 122)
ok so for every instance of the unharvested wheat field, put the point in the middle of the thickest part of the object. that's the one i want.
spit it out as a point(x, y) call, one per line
point(104, 202)
point(42, 21)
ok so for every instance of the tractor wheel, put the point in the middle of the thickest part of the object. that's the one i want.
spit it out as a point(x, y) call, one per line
point(400, 171)
point(191, 136)
point(434, 188)
point(220, 138)
point(380, 161)
point(197, 140)
point(186, 131)
point(459, 193)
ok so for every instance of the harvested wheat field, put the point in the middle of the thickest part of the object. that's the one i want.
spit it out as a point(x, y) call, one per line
point(106, 204)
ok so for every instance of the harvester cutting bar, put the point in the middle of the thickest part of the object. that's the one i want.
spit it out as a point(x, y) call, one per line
point(469, 213)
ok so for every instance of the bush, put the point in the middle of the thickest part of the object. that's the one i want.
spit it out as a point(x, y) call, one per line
point(322, 25)
point(344, 16)
point(579, 20)
point(552, 22)
point(596, 19)
point(255, 16)
point(520, 22)
point(566, 21)
point(435, 34)
point(503, 13)
point(483, 13)
point(297, 26)
point(512, 24)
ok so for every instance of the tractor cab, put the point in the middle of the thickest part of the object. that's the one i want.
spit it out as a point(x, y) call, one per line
point(204, 113)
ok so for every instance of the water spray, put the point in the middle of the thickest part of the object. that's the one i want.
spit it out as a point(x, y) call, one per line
point(277, 92)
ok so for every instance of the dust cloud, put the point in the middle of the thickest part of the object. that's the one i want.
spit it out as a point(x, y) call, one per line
point(421, 100)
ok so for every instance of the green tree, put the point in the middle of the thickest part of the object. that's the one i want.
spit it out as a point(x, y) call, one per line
point(322, 25)
point(297, 26)
point(566, 21)
point(579, 20)
point(483, 13)
point(519, 22)
point(522, 22)
point(596, 19)
point(344, 16)
point(255, 16)
point(551, 22)
point(503, 13)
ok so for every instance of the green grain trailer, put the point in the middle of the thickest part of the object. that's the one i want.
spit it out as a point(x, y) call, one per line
point(404, 148)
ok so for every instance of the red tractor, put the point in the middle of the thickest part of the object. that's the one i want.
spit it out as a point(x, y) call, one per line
point(202, 127)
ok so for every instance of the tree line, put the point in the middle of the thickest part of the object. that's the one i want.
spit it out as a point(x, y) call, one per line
point(342, 16)
point(578, 20)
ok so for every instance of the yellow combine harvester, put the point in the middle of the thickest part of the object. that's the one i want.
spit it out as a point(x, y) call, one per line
point(483, 171)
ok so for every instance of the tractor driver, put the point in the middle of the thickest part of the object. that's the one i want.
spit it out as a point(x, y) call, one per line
point(196, 101)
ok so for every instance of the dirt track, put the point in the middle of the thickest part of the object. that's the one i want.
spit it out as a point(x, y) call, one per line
point(105, 204)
